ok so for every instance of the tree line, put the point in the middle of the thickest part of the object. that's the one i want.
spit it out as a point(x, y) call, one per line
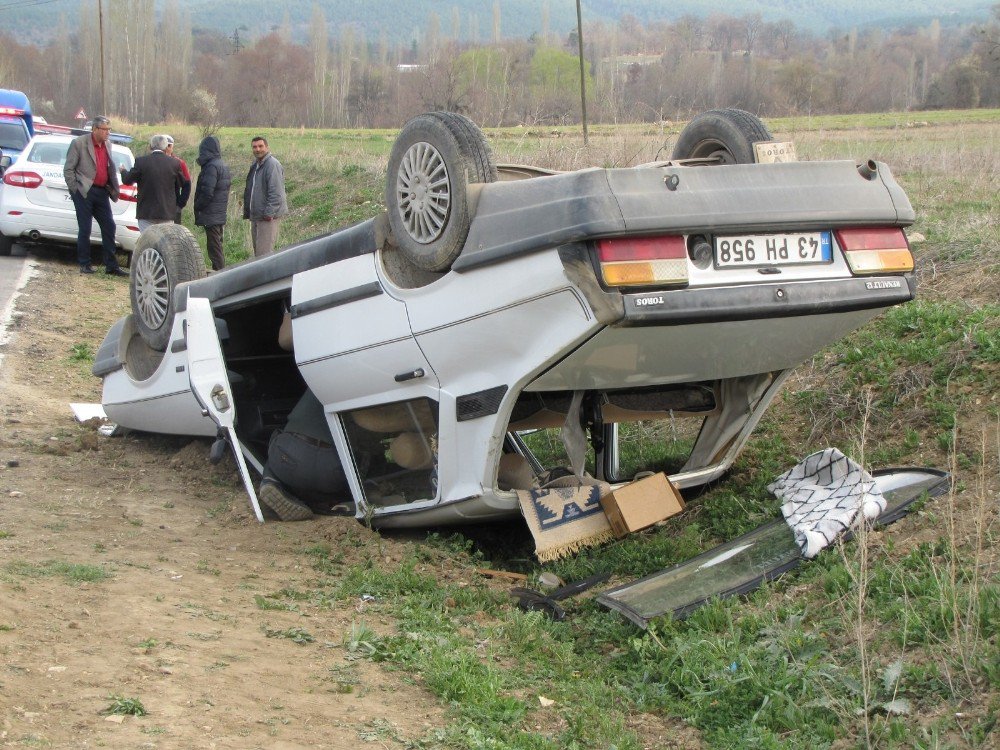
point(158, 70)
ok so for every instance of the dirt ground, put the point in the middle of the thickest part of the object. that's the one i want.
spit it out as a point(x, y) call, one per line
point(176, 623)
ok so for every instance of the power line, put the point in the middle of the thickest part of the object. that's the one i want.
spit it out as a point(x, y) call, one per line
point(27, 3)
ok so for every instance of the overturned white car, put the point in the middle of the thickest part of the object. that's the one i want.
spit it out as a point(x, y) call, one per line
point(488, 304)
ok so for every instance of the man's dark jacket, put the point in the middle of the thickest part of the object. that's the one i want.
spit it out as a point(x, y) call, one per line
point(211, 194)
point(159, 178)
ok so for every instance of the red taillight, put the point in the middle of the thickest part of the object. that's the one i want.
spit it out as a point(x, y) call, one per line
point(875, 250)
point(643, 261)
point(128, 193)
point(28, 180)
point(11, 111)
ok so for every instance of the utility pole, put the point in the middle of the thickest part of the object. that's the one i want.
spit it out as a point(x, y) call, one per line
point(100, 30)
point(237, 44)
point(583, 78)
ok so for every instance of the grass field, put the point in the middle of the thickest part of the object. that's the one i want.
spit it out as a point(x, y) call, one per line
point(890, 641)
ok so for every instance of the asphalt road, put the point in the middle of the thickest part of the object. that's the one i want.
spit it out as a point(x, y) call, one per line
point(15, 270)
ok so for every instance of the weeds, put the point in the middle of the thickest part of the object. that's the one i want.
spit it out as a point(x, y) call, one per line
point(361, 641)
point(83, 352)
point(70, 572)
point(122, 706)
point(295, 635)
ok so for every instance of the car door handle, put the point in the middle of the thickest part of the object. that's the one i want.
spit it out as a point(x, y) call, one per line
point(411, 375)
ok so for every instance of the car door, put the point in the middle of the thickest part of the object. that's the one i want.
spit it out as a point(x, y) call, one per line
point(355, 349)
point(210, 382)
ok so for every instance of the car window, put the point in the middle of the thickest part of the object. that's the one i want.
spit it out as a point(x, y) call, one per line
point(13, 135)
point(394, 447)
point(121, 160)
point(48, 153)
point(55, 153)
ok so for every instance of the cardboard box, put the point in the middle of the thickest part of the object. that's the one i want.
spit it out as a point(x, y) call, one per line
point(640, 504)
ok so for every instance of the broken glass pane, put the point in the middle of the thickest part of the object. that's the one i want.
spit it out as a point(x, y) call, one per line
point(742, 564)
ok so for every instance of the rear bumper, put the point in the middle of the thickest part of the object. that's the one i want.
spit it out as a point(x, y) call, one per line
point(761, 301)
point(64, 230)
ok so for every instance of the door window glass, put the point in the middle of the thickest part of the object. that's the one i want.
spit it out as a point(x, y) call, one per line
point(395, 450)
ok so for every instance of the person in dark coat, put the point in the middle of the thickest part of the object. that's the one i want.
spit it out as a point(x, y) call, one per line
point(211, 197)
point(159, 179)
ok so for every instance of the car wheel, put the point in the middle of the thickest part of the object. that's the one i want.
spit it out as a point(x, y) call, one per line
point(6, 244)
point(724, 134)
point(433, 161)
point(167, 255)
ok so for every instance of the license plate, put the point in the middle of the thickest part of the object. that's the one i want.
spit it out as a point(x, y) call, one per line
point(788, 249)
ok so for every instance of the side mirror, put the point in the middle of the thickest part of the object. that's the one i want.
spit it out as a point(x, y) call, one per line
point(5, 161)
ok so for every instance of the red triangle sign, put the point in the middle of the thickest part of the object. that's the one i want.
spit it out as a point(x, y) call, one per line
point(81, 115)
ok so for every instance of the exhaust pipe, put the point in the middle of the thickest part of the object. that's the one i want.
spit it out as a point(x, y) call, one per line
point(868, 170)
point(34, 235)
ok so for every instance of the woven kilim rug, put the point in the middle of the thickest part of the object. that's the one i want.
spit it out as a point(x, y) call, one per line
point(564, 519)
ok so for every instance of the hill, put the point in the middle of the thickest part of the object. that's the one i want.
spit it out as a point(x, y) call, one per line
point(469, 20)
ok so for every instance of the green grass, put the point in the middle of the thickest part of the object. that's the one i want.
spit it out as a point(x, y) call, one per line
point(69, 572)
point(82, 353)
point(125, 706)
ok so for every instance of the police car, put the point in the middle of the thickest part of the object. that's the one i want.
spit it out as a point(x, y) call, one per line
point(35, 204)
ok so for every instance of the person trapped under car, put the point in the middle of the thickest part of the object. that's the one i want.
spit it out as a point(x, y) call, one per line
point(303, 476)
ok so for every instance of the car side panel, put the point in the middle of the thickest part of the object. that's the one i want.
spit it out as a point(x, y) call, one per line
point(352, 341)
point(491, 329)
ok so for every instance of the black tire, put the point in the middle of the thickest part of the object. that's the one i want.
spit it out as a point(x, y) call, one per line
point(725, 134)
point(167, 255)
point(6, 244)
point(430, 224)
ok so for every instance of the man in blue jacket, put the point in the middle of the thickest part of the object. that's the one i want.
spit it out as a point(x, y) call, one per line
point(211, 198)
point(264, 201)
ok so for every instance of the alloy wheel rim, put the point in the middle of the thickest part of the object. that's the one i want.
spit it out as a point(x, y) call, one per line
point(152, 288)
point(423, 192)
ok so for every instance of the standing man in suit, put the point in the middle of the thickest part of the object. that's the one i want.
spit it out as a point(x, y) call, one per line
point(93, 183)
point(159, 179)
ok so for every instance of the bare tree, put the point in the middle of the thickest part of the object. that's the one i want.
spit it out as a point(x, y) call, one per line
point(172, 63)
point(752, 26)
point(319, 43)
point(432, 38)
point(367, 97)
point(130, 59)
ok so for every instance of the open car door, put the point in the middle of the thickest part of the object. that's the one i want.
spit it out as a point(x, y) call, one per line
point(210, 383)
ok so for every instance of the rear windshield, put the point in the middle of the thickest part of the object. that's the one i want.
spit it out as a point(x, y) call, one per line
point(13, 135)
point(55, 153)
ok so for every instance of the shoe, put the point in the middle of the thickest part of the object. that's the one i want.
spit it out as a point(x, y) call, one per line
point(288, 507)
point(116, 272)
point(86, 269)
